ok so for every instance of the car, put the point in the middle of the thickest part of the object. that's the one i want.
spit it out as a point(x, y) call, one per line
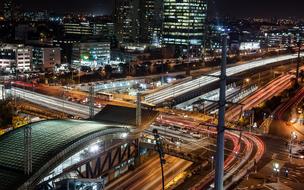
point(293, 120)
point(196, 135)
point(176, 128)
point(84, 101)
point(300, 111)
point(183, 130)
point(98, 105)
point(70, 116)
point(298, 156)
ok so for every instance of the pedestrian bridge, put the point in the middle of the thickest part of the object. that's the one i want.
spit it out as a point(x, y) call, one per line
point(53, 143)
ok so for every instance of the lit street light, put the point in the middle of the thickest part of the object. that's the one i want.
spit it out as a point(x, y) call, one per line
point(292, 139)
point(212, 162)
point(286, 172)
point(276, 169)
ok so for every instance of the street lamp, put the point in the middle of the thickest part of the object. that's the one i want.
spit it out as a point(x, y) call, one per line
point(159, 149)
point(212, 160)
point(276, 169)
point(293, 135)
point(298, 61)
point(286, 172)
point(292, 139)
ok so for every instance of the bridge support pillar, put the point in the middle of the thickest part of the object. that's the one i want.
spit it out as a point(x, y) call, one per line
point(137, 157)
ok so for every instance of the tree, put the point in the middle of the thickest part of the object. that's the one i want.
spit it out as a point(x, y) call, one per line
point(108, 70)
point(6, 113)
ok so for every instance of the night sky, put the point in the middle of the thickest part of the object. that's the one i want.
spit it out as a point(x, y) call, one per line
point(237, 8)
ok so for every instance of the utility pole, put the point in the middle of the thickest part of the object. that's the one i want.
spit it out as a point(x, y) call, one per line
point(298, 61)
point(91, 102)
point(2, 92)
point(219, 166)
point(28, 150)
point(138, 110)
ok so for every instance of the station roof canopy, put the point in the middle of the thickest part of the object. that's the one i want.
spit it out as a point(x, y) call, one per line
point(49, 140)
point(125, 115)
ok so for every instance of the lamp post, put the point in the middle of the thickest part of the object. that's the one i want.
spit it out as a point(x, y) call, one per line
point(159, 149)
point(276, 170)
point(298, 61)
point(212, 162)
point(293, 137)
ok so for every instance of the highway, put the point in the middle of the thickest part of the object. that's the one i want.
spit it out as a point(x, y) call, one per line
point(148, 175)
point(188, 144)
point(295, 100)
point(182, 88)
point(271, 89)
point(245, 152)
point(53, 103)
point(286, 117)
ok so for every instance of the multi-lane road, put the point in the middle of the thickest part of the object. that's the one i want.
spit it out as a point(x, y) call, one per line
point(295, 100)
point(273, 88)
point(53, 103)
point(248, 148)
point(148, 175)
point(185, 87)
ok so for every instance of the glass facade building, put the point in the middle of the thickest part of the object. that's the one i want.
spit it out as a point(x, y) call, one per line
point(8, 9)
point(91, 54)
point(151, 21)
point(184, 22)
point(126, 16)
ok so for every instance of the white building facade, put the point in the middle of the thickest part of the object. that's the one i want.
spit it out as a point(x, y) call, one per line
point(15, 57)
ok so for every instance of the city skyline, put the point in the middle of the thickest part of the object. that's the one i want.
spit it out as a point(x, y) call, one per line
point(233, 8)
point(151, 94)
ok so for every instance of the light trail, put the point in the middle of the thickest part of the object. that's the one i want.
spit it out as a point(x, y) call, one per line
point(53, 103)
point(182, 88)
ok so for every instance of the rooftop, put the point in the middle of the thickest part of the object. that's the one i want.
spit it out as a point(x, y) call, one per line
point(125, 115)
point(49, 138)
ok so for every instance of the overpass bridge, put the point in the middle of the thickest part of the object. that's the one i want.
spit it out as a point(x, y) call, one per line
point(193, 87)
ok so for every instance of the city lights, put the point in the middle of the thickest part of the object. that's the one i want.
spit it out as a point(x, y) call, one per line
point(151, 94)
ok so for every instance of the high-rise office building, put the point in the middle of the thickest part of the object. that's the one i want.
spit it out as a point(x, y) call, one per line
point(126, 15)
point(86, 29)
point(8, 9)
point(150, 21)
point(183, 23)
point(78, 28)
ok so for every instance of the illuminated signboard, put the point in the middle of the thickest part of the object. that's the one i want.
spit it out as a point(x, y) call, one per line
point(250, 46)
